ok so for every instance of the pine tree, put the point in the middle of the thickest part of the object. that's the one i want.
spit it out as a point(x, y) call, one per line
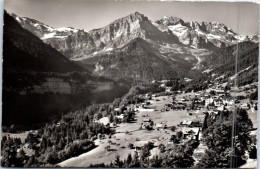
point(129, 159)
point(117, 162)
point(135, 162)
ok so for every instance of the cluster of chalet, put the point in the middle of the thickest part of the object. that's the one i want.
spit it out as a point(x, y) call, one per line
point(188, 103)
point(218, 102)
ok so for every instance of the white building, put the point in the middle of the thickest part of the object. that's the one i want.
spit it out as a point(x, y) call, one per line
point(229, 101)
point(220, 108)
point(208, 101)
point(218, 102)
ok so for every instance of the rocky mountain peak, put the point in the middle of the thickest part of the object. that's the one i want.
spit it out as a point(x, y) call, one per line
point(170, 20)
point(133, 17)
point(137, 15)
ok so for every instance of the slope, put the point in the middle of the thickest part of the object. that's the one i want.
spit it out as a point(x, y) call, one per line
point(22, 49)
point(223, 63)
point(137, 60)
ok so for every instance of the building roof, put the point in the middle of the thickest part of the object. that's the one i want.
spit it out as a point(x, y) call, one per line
point(140, 143)
point(160, 125)
point(187, 122)
point(112, 124)
point(104, 120)
point(117, 109)
point(146, 119)
point(188, 130)
point(121, 116)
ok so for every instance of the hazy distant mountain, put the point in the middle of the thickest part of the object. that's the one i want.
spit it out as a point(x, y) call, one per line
point(186, 44)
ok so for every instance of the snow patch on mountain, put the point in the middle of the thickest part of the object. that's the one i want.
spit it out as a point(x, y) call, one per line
point(200, 32)
point(134, 25)
point(240, 38)
point(98, 68)
point(49, 35)
point(207, 70)
point(197, 66)
point(52, 35)
point(178, 29)
point(164, 56)
point(241, 71)
point(18, 19)
point(211, 36)
point(108, 49)
point(67, 29)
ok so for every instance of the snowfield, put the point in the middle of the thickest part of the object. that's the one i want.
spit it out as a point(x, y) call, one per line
point(178, 29)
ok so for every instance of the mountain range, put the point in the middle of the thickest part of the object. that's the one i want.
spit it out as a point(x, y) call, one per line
point(136, 47)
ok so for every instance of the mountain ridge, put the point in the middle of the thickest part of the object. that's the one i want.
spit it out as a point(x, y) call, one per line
point(166, 20)
point(191, 44)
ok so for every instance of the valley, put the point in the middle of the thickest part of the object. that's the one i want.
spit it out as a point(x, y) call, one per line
point(135, 93)
point(126, 134)
point(155, 118)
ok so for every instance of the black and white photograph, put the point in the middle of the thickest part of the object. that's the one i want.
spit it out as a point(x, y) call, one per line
point(129, 84)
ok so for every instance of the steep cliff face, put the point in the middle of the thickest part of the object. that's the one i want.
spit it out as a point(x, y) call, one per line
point(120, 31)
point(124, 30)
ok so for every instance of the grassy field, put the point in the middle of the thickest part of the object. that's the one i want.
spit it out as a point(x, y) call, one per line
point(253, 117)
point(135, 135)
point(22, 135)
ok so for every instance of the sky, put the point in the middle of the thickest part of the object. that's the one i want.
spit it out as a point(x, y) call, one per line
point(241, 17)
